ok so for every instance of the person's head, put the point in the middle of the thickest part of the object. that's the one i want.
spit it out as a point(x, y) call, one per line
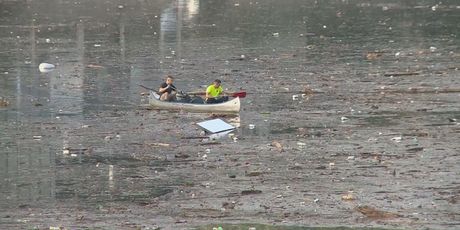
point(216, 83)
point(169, 79)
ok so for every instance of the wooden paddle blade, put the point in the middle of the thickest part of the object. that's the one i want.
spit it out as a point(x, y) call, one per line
point(239, 94)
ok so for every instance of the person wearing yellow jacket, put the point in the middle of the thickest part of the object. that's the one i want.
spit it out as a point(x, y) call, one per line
point(215, 92)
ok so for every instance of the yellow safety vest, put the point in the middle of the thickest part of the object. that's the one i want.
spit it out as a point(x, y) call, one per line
point(213, 91)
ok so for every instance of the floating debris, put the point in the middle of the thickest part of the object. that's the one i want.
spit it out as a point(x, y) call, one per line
point(56, 228)
point(278, 145)
point(4, 102)
point(46, 67)
point(349, 196)
point(400, 74)
point(94, 66)
point(156, 144)
point(373, 55)
point(250, 192)
point(373, 213)
point(215, 126)
point(414, 150)
point(301, 144)
point(250, 174)
point(216, 136)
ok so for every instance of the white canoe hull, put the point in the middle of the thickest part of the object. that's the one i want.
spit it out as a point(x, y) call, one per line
point(231, 106)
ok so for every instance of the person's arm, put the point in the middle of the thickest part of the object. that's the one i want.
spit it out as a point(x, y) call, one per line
point(222, 93)
point(208, 92)
point(163, 88)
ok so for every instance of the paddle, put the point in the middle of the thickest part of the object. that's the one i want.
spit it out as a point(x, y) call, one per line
point(145, 87)
point(240, 94)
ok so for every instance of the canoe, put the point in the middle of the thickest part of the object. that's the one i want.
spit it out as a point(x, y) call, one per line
point(231, 106)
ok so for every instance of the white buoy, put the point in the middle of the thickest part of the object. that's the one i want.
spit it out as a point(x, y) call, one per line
point(46, 67)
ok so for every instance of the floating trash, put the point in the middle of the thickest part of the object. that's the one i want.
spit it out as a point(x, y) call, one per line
point(4, 102)
point(343, 119)
point(278, 145)
point(295, 97)
point(301, 144)
point(216, 136)
point(396, 139)
point(111, 181)
point(276, 34)
point(55, 228)
point(348, 197)
point(215, 126)
point(46, 67)
point(251, 126)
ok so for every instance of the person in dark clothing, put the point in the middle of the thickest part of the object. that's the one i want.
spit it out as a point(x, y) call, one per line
point(167, 90)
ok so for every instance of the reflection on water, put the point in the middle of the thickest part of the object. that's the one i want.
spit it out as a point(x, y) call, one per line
point(103, 50)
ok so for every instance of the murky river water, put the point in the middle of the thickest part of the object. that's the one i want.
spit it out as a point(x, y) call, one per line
point(355, 106)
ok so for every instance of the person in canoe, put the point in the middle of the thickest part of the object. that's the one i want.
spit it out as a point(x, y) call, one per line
point(215, 92)
point(167, 90)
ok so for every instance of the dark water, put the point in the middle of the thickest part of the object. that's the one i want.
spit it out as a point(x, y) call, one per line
point(76, 139)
